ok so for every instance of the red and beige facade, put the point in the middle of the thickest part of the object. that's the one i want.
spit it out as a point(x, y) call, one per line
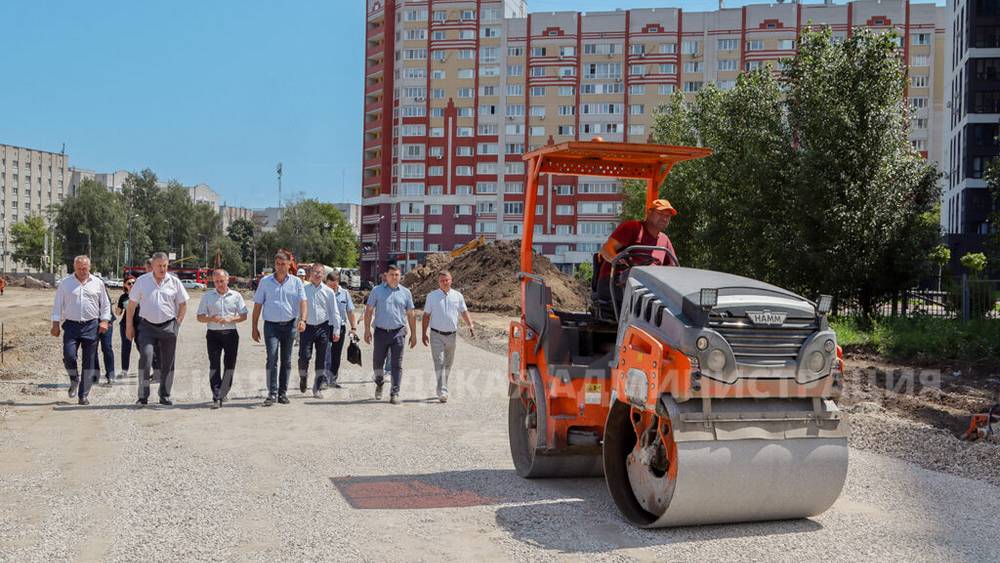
point(456, 91)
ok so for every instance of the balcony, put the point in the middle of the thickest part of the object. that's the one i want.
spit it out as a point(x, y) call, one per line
point(370, 219)
point(373, 106)
point(373, 162)
point(371, 124)
point(373, 88)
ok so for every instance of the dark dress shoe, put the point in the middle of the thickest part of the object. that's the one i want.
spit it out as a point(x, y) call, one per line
point(216, 404)
point(336, 386)
point(84, 401)
point(268, 401)
point(142, 402)
point(302, 384)
point(73, 387)
point(283, 400)
point(166, 402)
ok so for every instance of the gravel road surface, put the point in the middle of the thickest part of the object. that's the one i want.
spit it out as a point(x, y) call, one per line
point(347, 478)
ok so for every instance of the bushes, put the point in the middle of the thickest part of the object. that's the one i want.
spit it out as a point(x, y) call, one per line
point(923, 339)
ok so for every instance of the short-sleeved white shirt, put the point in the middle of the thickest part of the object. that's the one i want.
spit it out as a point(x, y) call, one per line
point(158, 302)
point(228, 304)
point(445, 309)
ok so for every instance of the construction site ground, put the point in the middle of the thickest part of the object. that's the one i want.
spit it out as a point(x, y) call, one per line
point(347, 478)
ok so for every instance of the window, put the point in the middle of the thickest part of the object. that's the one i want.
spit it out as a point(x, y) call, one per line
point(637, 49)
point(537, 71)
point(515, 168)
point(594, 228)
point(666, 89)
point(434, 229)
point(435, 190)
point(488, 129)
point(487, 148)
point(466, 73)
point(486, 168)
point(755, 45)
point(466, 112)
point(567, 110)
point(538, 90)
point(670, 68)
point(486, 227)
point(463, 151)
point(486, 187)
point(463, 230)
point(753, 65)
point(513, 208)
point(691, 47)
point(434, 209)
point(515, 51)
point(637, 70)
point(466, 54)
point(437, 93)
point(919, 123)
point(488, 54)
point(513, 188)
point(637, 89)
point(538, 51)
point(435, 171)
point(636, 129)
point(564, 210)
point(413, 151)
point(564, 229)
point(921, 38)
point(464, 132)
point(463, 190)
point(918, 80)
point(693, 66)
point(511, 228)
point(537, 131)
point(566, 189)
point(539, 209)
point(439, 36)
point(438, 74)
point(726, 84)
point(567, 90)
point(786, 44)
point(919, 102)
point(668, 48)
point(728, 44)
point(598, 207)
point(412, 171)
point(416, 34)
point(567, 51)
point(486, 208)
point(919, 144)
point(463, 171)
point(514, 129)
point(415, 15)
point(437, 132)
point(487, 109)
point(602, 109)
point(515, 70)
point(514, 148)
point(537, 111)
point(515, 110)
point(489, 32)
point(728, 65)
point(414, 54)
point(921, 60)
point(468, 15)
point(414, 73)
point(515, 90)
point(598, 187)
point(602, 70)
point(414, 130)
point(636, 109)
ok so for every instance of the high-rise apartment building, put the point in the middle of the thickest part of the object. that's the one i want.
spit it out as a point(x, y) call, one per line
point(970, 135)
point(30, 182)
point(457, 91)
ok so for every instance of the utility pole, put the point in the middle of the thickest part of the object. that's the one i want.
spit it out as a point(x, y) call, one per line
point(279, 192)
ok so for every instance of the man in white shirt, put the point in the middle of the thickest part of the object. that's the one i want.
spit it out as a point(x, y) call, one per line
point(346, 307)
point(221, 309)
point(441, 311)
point(162, 300)
point(83, 306)
point(322, 314)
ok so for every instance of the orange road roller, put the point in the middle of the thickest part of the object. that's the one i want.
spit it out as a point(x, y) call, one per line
point(701, 397)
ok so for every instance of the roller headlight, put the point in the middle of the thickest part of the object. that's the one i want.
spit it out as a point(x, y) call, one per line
point(828, 346)
point(701, 343)
point(716, 360)
point(816, 362)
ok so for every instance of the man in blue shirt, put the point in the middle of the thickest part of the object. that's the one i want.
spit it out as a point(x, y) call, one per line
point(390, 307)
point(280, 298)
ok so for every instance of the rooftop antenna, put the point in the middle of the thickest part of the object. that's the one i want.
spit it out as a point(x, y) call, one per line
point(63, 150)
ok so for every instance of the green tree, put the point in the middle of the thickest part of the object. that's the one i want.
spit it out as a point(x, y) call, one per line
point(28, 238)
point(584, 272)
point(92, 222)
point(317, 232)
point(992, 177)
point(975, 262)
point(633, 200)
point(227, 252)
point(241, 231)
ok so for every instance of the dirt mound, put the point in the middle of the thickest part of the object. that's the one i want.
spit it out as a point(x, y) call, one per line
point(487, 277)
point(35, 283)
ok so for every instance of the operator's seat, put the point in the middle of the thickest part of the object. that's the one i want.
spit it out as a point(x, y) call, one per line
point(601, 309)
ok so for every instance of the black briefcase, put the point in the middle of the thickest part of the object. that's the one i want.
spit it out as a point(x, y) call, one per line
point(354, 351)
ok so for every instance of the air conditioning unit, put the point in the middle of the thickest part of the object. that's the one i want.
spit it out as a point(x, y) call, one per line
point(642, 55)
point(418, 99)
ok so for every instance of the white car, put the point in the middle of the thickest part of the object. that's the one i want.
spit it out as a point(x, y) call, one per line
point(191, 284)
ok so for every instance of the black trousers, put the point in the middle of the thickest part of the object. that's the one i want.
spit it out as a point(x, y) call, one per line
point(220, 341)
point(333, 354)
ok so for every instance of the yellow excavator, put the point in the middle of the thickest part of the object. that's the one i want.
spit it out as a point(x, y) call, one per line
point(468, 247)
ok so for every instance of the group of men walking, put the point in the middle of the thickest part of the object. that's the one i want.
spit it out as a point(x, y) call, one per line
point(321, 311)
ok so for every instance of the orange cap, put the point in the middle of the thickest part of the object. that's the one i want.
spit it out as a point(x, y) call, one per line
point(662, 205)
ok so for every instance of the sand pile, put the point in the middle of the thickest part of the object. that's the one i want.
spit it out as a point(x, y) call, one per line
point(487, 277)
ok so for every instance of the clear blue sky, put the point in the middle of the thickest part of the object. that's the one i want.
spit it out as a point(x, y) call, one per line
point(203, 91)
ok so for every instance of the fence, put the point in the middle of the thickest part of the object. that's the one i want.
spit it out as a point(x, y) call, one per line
point(958, 297)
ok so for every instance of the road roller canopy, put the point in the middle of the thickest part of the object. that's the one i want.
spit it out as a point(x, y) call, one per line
point(634, 161)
